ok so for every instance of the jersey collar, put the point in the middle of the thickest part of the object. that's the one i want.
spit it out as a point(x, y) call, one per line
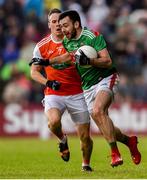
point(55, 41)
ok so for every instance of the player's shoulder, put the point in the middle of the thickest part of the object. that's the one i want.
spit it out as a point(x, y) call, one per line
point(90, 33)
point(96, 33)
point(44, 41)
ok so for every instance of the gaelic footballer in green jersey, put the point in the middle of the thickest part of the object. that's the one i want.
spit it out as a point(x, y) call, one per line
point(75, 37)
point(92, 75)
point(99, 82)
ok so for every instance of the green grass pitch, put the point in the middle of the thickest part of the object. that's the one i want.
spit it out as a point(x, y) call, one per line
point(33, 158)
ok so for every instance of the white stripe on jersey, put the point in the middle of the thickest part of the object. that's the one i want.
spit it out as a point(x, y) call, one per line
point(43, 41)
point(36, 53)
point(89, 34)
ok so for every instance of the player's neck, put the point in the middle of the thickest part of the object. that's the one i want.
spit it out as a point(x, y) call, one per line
point(57, 38)
point(79, 31)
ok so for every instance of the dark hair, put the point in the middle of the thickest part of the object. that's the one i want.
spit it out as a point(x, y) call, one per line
point(72, 14)
point(55, 10)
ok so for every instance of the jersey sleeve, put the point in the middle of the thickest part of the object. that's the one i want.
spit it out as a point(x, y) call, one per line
point(99, 43)
point(36, 53)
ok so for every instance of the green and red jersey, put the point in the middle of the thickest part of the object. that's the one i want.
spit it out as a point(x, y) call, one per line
point(92, 75)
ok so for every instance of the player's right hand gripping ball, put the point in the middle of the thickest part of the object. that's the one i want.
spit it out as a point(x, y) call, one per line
point(82, 59)
point(41, 62)
point(55, 85)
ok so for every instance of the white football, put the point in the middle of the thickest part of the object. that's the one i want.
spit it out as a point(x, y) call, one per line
point(89, 51)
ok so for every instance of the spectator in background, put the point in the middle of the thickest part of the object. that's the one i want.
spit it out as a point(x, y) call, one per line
point(50, 4)
point(18, 89)
point(11, 52)
point(78, 8)
point(35, 7)
point(30, 36)
point(18, 34)
point(92, 12)
point(98, 11)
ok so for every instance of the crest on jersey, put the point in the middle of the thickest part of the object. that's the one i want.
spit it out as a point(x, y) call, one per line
point(59, 49)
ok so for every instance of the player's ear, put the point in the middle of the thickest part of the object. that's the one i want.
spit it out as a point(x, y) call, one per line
point(76, 24)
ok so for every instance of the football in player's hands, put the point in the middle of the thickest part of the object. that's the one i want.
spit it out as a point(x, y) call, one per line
point(84, 54)
point(82, 59)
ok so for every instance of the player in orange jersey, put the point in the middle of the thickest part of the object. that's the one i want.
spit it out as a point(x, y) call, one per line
point(63, 91)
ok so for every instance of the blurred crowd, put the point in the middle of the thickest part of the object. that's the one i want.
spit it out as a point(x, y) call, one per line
point(24, 22)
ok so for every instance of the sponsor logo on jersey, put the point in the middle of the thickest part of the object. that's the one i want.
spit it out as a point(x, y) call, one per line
point(50, 52)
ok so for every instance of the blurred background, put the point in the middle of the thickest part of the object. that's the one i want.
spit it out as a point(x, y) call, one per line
point(24, 22)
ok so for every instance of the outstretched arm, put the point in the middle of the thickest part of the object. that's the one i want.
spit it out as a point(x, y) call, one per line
point(67, 57)
point(36, 74)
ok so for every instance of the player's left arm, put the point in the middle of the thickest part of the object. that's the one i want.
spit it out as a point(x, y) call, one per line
point(64, 58)
point(103, 60)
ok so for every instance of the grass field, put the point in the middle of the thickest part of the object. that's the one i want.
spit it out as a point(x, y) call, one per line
point(33, 158)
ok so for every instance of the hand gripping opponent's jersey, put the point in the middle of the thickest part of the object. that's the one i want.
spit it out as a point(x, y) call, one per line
point(92, 75)
point(65, 73)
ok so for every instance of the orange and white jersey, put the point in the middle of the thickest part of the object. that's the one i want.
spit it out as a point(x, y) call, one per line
point(66, 74)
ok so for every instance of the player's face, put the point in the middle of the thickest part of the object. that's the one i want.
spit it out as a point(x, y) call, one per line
point(68, 27)
point(54, 25)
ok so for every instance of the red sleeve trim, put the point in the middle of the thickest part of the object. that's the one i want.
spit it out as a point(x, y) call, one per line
point(96, 33)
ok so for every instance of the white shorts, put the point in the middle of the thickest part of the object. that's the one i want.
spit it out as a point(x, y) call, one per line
point(75, 105)
point(109, 84)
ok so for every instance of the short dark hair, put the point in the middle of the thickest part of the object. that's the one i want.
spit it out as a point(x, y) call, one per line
point(72, 14)
point(55, 10)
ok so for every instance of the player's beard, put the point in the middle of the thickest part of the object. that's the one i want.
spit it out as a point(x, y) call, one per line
point(73, 33)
